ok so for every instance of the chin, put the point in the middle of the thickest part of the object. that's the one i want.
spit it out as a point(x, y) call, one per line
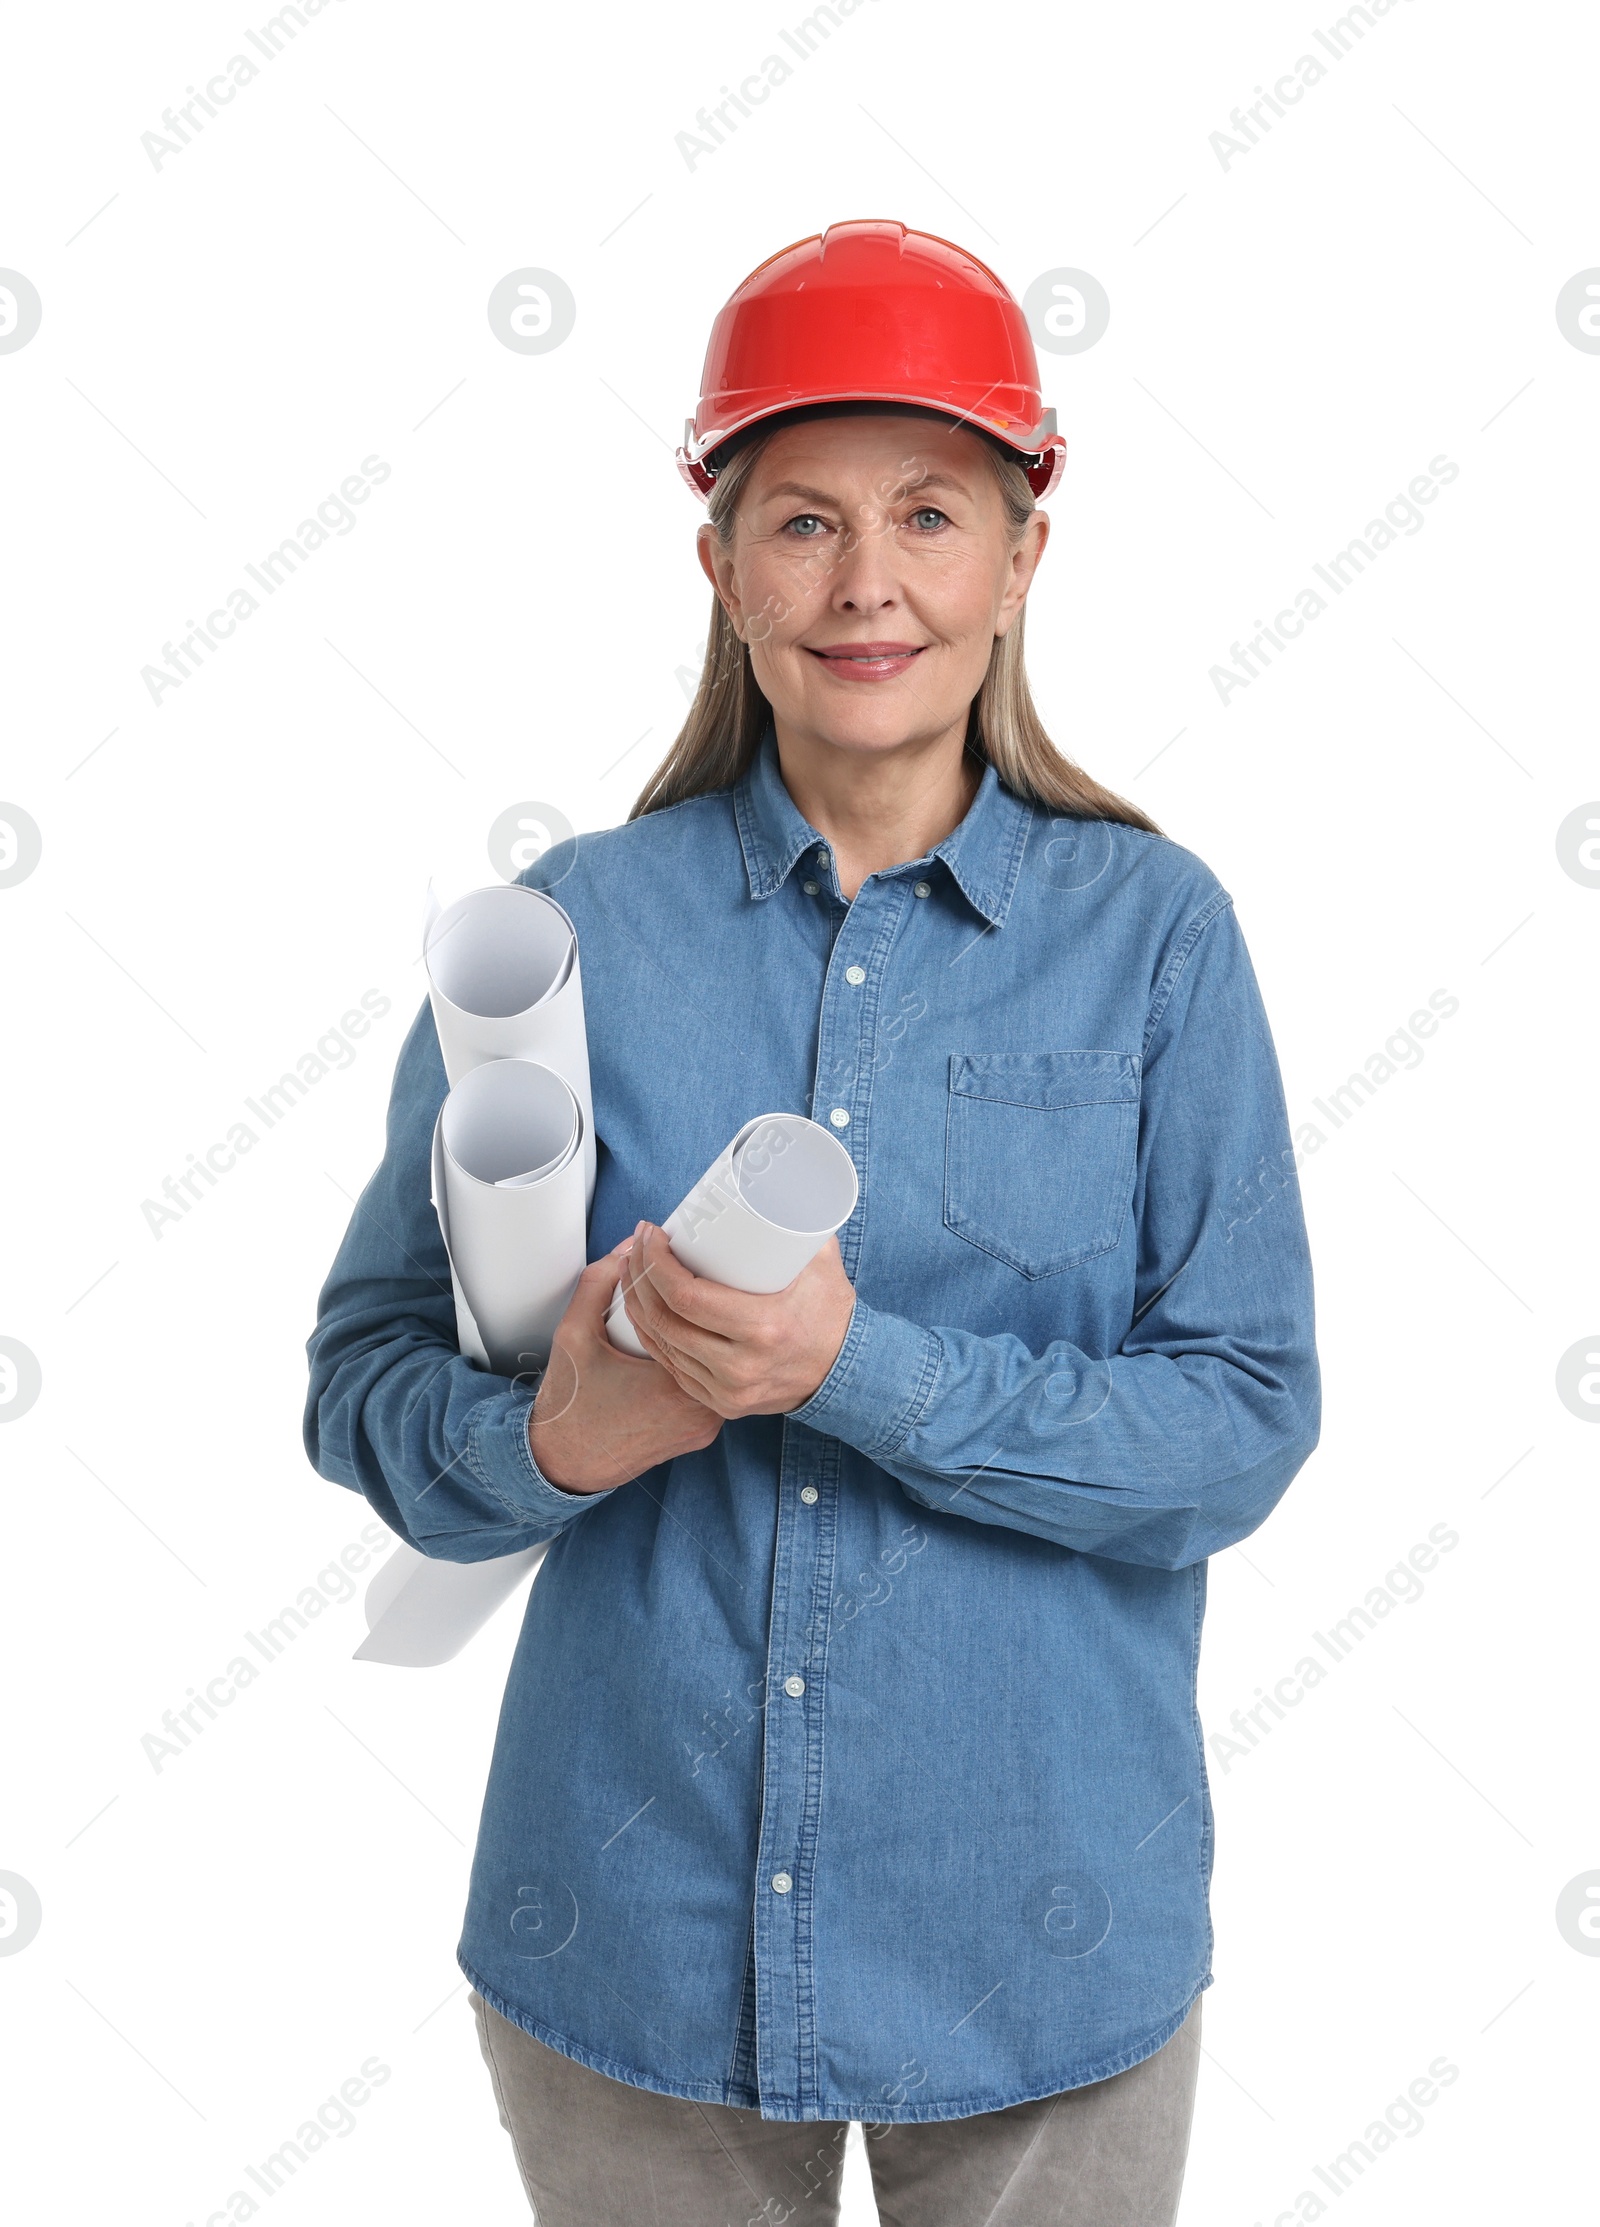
point(871, 729)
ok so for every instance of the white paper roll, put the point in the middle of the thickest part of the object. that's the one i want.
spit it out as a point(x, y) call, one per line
point(508, 1188)
point(513, 1174)
point(767, 1204)
point(422, 1611)
point(504, 983)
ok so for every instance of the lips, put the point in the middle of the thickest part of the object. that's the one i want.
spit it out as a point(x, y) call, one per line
point(868, 660)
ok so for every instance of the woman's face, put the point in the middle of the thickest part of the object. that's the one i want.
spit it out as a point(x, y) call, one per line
point(870, 573)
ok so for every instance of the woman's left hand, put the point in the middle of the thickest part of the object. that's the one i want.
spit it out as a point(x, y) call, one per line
point(738, 1352)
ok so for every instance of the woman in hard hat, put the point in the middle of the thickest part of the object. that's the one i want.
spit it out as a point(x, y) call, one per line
point(849, 1767)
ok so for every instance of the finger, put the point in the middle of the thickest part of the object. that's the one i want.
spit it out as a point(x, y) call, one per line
point(595, 1287)
point(653, 1324)
point(591, 1299)
point(716, 1310)
point(632, 1260)
point(664, 1334)
point(660, 1356)
point(658, 1349)
point(661, 1337)
point(697, 1302)
point(693, 1380)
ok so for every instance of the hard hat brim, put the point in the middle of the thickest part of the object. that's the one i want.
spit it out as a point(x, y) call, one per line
point(1039, 449)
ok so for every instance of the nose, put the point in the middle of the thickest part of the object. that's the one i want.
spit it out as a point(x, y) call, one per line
point(867, 579)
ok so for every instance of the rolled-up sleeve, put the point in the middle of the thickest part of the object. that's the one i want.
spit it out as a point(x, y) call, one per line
point(437, 1445)
point(1181, 1440)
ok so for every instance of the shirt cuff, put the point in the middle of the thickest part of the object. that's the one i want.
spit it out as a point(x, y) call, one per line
point(498, 1454)
point(880, 1382)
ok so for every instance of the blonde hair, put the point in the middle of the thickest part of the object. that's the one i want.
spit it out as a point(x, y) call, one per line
point(720, 736)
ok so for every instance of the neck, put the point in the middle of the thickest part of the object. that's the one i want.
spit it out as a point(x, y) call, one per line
point(877, 809)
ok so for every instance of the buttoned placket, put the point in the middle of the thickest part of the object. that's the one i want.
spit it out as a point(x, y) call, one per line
point(808, 1515)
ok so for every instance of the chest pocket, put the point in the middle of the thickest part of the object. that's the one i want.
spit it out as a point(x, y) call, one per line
point(1039, 1153)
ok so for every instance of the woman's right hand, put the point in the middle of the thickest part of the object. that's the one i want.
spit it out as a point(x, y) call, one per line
point(603, 1416)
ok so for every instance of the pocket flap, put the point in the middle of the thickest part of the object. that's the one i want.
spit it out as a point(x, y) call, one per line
point(1046, 1079)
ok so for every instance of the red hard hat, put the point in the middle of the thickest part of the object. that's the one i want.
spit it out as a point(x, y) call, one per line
point(871, 312)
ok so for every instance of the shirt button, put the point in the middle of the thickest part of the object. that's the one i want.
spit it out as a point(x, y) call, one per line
point(839, 1118)
point(822, 858)
point(855, 974)
point(808, 1493)
point(920, 889)
point(810, 888)
point(781, 1882)
point(794, 1687)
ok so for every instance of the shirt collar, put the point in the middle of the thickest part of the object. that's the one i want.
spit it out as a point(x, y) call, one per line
point(983, 854)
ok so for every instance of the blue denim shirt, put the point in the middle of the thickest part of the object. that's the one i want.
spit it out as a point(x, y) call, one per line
point(851, 1768)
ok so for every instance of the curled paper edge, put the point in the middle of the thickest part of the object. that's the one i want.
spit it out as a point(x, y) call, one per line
point(421, 1611)
point(563, 997)
point(468, 1336)
point(470, 1333)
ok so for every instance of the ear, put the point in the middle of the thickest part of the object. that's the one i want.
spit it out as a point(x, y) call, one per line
point(1022, 565)
point(718, 567)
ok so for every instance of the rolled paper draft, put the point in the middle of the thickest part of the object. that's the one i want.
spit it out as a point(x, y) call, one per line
point(508, 1188)
point(422, 1611)
point(504, 983)
point(767, 1204)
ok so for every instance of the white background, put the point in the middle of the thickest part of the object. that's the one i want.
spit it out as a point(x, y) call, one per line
point(1292, 339)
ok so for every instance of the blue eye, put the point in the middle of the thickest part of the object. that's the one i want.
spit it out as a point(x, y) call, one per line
point(928, 511)
point(806, 518)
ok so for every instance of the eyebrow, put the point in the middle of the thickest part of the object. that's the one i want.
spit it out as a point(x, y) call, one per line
point(791, 487)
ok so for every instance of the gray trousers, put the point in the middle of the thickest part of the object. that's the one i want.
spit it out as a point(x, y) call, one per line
point(596, 2152)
